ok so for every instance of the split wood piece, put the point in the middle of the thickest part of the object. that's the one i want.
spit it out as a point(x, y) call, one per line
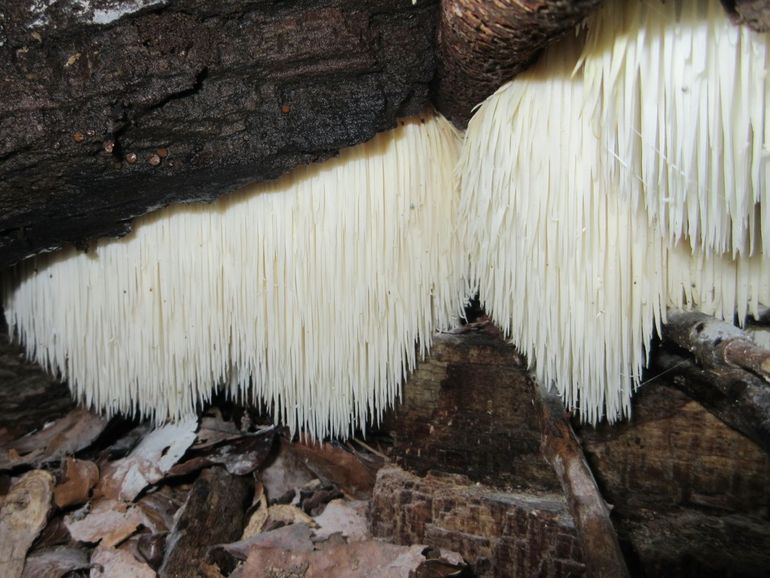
point(737, 397)
point(215, 513)
point(716, 343)
point(601, 549)
point(482, 45)
point(108, 113)
point(23, 513)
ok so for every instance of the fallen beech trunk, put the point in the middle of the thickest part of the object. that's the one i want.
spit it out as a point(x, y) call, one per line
point(737, 397)
point(482, 45)
point(561, 448)
point(113, 108)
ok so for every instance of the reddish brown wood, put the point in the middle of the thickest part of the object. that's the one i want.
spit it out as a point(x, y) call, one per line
point(561, 448)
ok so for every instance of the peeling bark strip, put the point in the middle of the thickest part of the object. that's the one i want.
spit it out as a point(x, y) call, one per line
point(716, 343)
point(108, 112)
point(601, 549)
point(482, 45)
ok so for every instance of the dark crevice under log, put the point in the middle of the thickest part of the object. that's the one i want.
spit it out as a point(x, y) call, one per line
point(184, 101)
point(561, 448)
point(482, 45)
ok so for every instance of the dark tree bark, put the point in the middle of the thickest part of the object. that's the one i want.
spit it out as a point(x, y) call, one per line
point(482, 45)
point(126, 106)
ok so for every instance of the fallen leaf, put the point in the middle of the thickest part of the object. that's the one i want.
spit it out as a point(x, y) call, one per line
point(70, 434)
point(55, 562)
point(108, 522)
point(285, 472)
point(23, 513)
point(286, 514)
point(257, 520)
point(346, 518)
point(79, 477)
point(370, 559)
point(239, 455)
point(161, 505)
point(113, 563)
point(340, 467)
point(149, 462)
point(296, 537)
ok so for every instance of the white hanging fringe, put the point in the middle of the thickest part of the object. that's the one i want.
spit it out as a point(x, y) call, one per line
point(307, 295)
point(568, 261)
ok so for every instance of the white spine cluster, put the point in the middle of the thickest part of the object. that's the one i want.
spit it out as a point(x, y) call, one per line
point(307, 295)
point(566, 257)
point(683, 104)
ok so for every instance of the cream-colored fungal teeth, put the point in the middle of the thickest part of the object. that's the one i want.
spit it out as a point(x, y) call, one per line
point(568, 268)
point(306, 295)
point(683, 100)
point(575, 249)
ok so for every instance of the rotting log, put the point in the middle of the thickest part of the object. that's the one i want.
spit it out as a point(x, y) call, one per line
point(561, 448)
point(482, 45)
point(113, 108)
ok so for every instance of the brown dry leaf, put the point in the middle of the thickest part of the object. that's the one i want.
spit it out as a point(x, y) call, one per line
point(108, 522)
point(149, 462)
point(79, 477)
point(73, 432)
point(370, 559)
point(286, 514)
point(240, 455)
point(160, 506)
point(258, 519)
point(339, 466)
point(286, 472)
point(55, 562)
point(215, 430)
point(112, 563)
point(344, 517)
point(296, 538)
point(23, 513)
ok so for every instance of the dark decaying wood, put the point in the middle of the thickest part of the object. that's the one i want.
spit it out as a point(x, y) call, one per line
point(602, 554)
point(215, 513)
point(468, 409)
point(482, 45)
point(113, 108)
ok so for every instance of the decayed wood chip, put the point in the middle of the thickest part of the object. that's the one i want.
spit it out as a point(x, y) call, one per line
point(258, 518)
point(72, 433)
point(114, 563)
point(55, 562)
point(108, 522)
point(149, 462)
point(23, 513)
point(79, 477)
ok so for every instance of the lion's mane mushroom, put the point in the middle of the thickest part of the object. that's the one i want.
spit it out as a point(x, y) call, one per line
point(307, 295)
point(594, 193)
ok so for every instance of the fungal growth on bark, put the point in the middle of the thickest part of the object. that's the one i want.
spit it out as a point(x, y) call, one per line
point(586, 203)
point(312, 295)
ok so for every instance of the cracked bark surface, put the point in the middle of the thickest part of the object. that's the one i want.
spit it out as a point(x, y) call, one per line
point(113, 108)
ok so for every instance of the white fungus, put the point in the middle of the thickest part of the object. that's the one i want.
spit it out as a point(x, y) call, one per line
point(683, 103)
point(567, 260)
point(307, 295)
